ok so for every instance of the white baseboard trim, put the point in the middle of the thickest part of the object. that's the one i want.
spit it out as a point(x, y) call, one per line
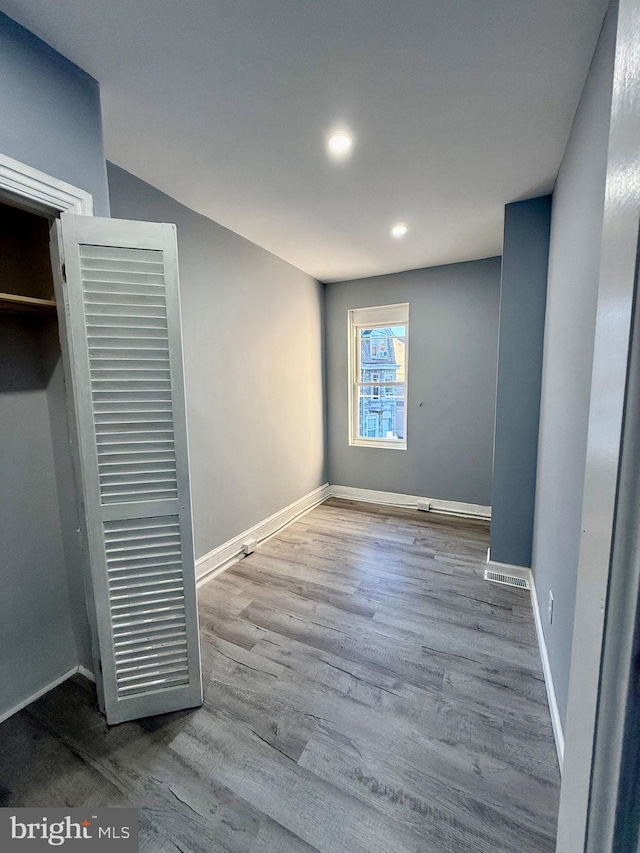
point(221, 558)
point(32, 698)
point(217, 561)
point(556, 724)
point(82, 670)
point(87, 673)
point(463, 510)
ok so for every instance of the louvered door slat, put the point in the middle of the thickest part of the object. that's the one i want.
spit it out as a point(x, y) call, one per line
point(154, 635)
point(122, 297)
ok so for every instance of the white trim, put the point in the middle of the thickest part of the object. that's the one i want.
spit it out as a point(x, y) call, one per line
point(380, 315)
point(87, 673)
point(411, 502)
point(81, 670)
point(38, 694)
point(221, 558)
point(31, 184)
point(384, 443)
point(554, 711)
point(556, 722)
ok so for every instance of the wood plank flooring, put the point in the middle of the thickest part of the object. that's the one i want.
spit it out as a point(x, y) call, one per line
point(366, 691)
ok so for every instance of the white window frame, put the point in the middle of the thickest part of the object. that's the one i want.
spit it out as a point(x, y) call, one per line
point(379, 316)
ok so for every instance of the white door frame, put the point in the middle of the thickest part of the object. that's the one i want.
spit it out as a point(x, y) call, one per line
point(585, 820)
point(34, 189)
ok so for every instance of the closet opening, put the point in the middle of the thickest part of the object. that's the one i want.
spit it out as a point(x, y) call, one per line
point(43, 623)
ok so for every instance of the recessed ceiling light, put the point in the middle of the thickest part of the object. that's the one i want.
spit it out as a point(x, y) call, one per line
point(399, 230)
point(340, 144)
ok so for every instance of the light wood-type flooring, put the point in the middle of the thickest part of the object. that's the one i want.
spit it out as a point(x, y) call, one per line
point(366, 691)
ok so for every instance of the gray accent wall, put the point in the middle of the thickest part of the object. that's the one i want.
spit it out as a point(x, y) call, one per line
point(525, 259)
point(252, 337)
point(453, 338)
point(50, 113)
point(574, 258)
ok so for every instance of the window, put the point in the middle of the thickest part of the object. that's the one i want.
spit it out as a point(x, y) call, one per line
point(378, 397)
point(375, 391)
point(378, 345)
point(372, 426)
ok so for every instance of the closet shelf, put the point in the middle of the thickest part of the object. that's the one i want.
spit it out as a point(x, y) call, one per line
point(13, 301)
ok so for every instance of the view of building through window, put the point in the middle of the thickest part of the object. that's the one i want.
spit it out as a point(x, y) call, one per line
point(381, 382)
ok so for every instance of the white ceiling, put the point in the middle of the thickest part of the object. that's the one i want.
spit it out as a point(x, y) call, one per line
point(456, 107)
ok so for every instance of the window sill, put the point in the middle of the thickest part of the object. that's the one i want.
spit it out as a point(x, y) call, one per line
point(381, 443)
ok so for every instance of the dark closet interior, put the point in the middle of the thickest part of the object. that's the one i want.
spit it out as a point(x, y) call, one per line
point(42, 621)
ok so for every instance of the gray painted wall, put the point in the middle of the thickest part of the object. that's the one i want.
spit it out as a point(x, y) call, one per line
point(525, 260)
point(37, 642)
point(576, 229)
point(50, 112)
point(252, 332)
point(453, 337)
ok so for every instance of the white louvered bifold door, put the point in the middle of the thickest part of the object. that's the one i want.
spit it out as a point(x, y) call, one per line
point(124, 340)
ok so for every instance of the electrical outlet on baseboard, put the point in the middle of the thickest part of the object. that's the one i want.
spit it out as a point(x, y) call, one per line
point(423, 505)
point(550, 608)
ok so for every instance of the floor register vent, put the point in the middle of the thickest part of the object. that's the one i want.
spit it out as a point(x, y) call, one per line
point(506, 580)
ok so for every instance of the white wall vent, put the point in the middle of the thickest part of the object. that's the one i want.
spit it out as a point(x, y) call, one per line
point(506, 580)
